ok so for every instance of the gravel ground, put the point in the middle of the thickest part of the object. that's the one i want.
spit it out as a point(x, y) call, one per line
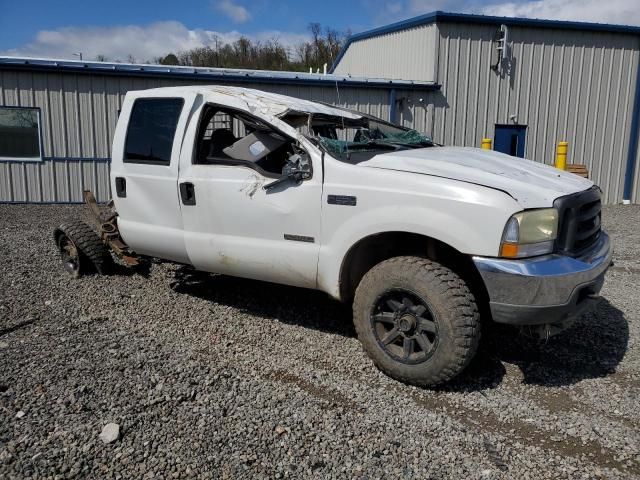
point(214, 377)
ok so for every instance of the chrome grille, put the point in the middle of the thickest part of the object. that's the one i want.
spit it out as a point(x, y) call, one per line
point(579, 221)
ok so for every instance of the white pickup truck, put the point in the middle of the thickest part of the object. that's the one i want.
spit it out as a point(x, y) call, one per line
point(421, 238)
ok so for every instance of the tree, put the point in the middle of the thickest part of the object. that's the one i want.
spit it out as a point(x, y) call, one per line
point(321, 48)
point(170, 59)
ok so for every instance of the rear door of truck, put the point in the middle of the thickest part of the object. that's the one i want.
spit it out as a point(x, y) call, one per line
point(144, 172)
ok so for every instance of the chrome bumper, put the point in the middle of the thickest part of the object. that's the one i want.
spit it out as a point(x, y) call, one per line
point(544, 290)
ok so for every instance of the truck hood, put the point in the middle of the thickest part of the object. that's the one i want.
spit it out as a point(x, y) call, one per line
point(531, 184)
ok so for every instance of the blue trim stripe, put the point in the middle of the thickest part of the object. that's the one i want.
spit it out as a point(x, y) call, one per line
point(633, 142)
point(59, 160)
point(78, 159)
point(439, 16)
point(214, 75)
point(30, 202)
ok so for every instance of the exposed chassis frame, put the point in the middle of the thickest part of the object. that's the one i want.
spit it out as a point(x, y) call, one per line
point(107, 225)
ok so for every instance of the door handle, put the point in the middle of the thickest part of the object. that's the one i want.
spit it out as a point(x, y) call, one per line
point(188, 193)
point(121, 187)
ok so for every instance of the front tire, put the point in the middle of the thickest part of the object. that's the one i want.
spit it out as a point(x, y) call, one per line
point(417, 320)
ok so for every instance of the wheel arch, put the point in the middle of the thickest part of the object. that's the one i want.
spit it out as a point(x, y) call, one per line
point(375, 248)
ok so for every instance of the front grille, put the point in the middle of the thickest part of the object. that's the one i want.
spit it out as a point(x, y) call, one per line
point(579, 221)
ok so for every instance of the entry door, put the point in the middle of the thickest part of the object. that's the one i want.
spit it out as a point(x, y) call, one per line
point(510, 139)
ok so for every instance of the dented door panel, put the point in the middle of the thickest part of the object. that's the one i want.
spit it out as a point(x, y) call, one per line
point(237, 228)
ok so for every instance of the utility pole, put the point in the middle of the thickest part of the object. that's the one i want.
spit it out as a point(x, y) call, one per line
point(78, 54)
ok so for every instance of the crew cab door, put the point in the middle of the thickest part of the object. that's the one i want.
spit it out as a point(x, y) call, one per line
point(144, 172)
point(232, 225)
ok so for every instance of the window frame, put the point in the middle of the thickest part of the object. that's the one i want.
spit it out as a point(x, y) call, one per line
point(160, 163)
point(231, 162)
point(40, 157)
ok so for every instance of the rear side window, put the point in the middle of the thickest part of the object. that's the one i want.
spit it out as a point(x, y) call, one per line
point(152, 126)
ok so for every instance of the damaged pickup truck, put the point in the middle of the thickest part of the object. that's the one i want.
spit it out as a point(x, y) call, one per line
point(420, 238)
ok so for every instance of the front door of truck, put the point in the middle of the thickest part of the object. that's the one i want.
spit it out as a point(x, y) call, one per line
point(232, 225)
point(144, 173)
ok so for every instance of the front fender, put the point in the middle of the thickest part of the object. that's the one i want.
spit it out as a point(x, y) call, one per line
point(469, 218)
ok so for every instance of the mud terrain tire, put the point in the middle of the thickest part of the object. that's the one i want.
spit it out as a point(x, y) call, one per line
point(82, 249)
point(428, 309)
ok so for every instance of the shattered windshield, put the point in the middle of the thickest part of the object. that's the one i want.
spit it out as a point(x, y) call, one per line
point(356, 138)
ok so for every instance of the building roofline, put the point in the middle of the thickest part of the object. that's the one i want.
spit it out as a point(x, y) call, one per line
point(440, 16)
point(228, 75)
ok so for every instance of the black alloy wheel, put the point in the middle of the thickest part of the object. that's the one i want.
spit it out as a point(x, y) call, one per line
point(405, 326)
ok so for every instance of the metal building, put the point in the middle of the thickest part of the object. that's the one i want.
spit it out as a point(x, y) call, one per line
point(526, 84)
point(57, 118)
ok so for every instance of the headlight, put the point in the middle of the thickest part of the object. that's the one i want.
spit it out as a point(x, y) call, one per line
point(530, 233)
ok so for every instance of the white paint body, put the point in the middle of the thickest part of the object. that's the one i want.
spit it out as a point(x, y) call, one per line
point(460, 196)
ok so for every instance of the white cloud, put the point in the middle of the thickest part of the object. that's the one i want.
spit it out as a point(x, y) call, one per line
point(235, 12)
point(388, 11)
point(624, 12)
point(417, 7)
point(141, 42)
point(145, 42)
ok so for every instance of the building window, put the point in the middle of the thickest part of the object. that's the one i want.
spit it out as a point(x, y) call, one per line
point(152, 126)
point(20, 133)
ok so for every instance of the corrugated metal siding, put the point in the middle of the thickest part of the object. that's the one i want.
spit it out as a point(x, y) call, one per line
point(564, 85)
point(564, 89)
point(78, 118)
point(79, 112)
point(416, 110)
point(407, 54)
point(53, 181)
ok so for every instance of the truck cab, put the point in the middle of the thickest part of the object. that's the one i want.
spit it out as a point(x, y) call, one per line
point(186, 199)
point(419, 237)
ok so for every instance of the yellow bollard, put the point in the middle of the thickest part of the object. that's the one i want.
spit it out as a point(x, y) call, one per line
point(486, 143)
point(561, 155)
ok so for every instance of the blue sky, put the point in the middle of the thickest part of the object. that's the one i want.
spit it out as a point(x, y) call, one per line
point(291, 16)
point(145, 29)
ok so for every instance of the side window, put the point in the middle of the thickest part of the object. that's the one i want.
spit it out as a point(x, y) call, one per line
point(152, 126)
point(231, 137)
point(20, 133)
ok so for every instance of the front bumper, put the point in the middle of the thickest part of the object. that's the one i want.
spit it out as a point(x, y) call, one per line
point(551, 289)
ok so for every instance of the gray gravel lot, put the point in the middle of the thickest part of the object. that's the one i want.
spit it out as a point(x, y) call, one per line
point(214, 377)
